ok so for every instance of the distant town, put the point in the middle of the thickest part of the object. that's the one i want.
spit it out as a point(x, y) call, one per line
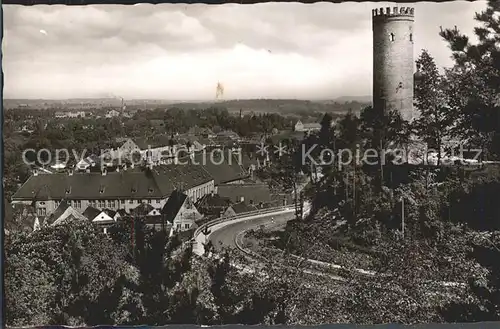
point(103, 181)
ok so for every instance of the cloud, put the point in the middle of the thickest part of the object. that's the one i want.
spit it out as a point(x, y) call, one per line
point(181, 51)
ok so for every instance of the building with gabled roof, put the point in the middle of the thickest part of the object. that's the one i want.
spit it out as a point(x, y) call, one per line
point(180, 212)
point(239, 208)
point(223, 165)
point(103, 218)
point(213, 205)
point(63, 214)
point(91, 213)
point(114, 190)
point(307, 127)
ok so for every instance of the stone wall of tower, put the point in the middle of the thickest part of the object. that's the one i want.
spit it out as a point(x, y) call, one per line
point(393, 60)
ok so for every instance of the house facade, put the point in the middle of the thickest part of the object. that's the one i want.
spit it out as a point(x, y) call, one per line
point(180, 212)
point(306, 127)
point(104, 218)
point(114, 190)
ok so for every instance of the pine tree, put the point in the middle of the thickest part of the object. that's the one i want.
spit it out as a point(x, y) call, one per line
point(474, 81)
point(430, 100)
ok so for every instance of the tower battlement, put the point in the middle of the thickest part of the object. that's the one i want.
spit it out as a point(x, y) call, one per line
point(391, 12)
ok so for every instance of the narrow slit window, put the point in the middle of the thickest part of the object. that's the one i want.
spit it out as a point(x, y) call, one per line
point(411, 37)
point(392, 36)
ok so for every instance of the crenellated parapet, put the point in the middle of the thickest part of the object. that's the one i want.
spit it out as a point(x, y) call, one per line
point(391, 12)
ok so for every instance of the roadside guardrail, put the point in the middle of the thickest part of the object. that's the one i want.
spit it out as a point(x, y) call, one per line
point(223, 219)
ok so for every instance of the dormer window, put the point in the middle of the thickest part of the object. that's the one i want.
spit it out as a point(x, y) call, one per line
point(101, 190)
point(392, 36)
point(134, 189)
point(68, 190)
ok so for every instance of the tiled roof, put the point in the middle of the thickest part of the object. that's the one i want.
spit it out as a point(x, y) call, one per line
point(57, 213)
point(228, 170)
point(213, 201)
point(141, 184)
point(122, 212)
point(255, 193)
point(184, 176)
point(91, 212)
point(173, 205)
point(111, 213)
point(70, 214)
point(142, 210)
point(242, 207)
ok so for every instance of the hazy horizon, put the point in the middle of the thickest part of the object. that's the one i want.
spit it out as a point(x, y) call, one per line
point(180, 52)
point(189, 100)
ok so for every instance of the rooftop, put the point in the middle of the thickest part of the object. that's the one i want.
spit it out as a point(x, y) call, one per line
point(173, 205)
point(242, 207)
point(216, 201)
point(229, 169)
point(137, 184)
point(255, 193)
point(91, 212)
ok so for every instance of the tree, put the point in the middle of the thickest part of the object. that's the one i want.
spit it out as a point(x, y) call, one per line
point(81, 269)
point(431, 102)
point(483, 302)
point(474, 81)
point(287, 173)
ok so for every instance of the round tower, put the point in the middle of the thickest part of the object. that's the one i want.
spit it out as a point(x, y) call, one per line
point(393, 60)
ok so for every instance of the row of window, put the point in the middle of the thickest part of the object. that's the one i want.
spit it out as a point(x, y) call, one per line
point(108, 203)
point(200, 192)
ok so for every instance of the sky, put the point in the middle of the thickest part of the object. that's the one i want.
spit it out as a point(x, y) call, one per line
point(181, 52)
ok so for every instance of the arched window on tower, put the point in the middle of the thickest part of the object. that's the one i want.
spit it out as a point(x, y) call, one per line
point(411, 37)
point(392, 36)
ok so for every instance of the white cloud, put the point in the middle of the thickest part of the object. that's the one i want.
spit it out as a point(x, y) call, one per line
point(180, 52)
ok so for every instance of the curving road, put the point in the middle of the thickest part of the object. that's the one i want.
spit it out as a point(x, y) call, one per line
point(225, 236)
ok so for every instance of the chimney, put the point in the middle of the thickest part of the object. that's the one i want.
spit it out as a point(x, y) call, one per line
point(242, 199)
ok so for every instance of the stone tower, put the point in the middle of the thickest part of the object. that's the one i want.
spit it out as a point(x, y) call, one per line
point(393, 60)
